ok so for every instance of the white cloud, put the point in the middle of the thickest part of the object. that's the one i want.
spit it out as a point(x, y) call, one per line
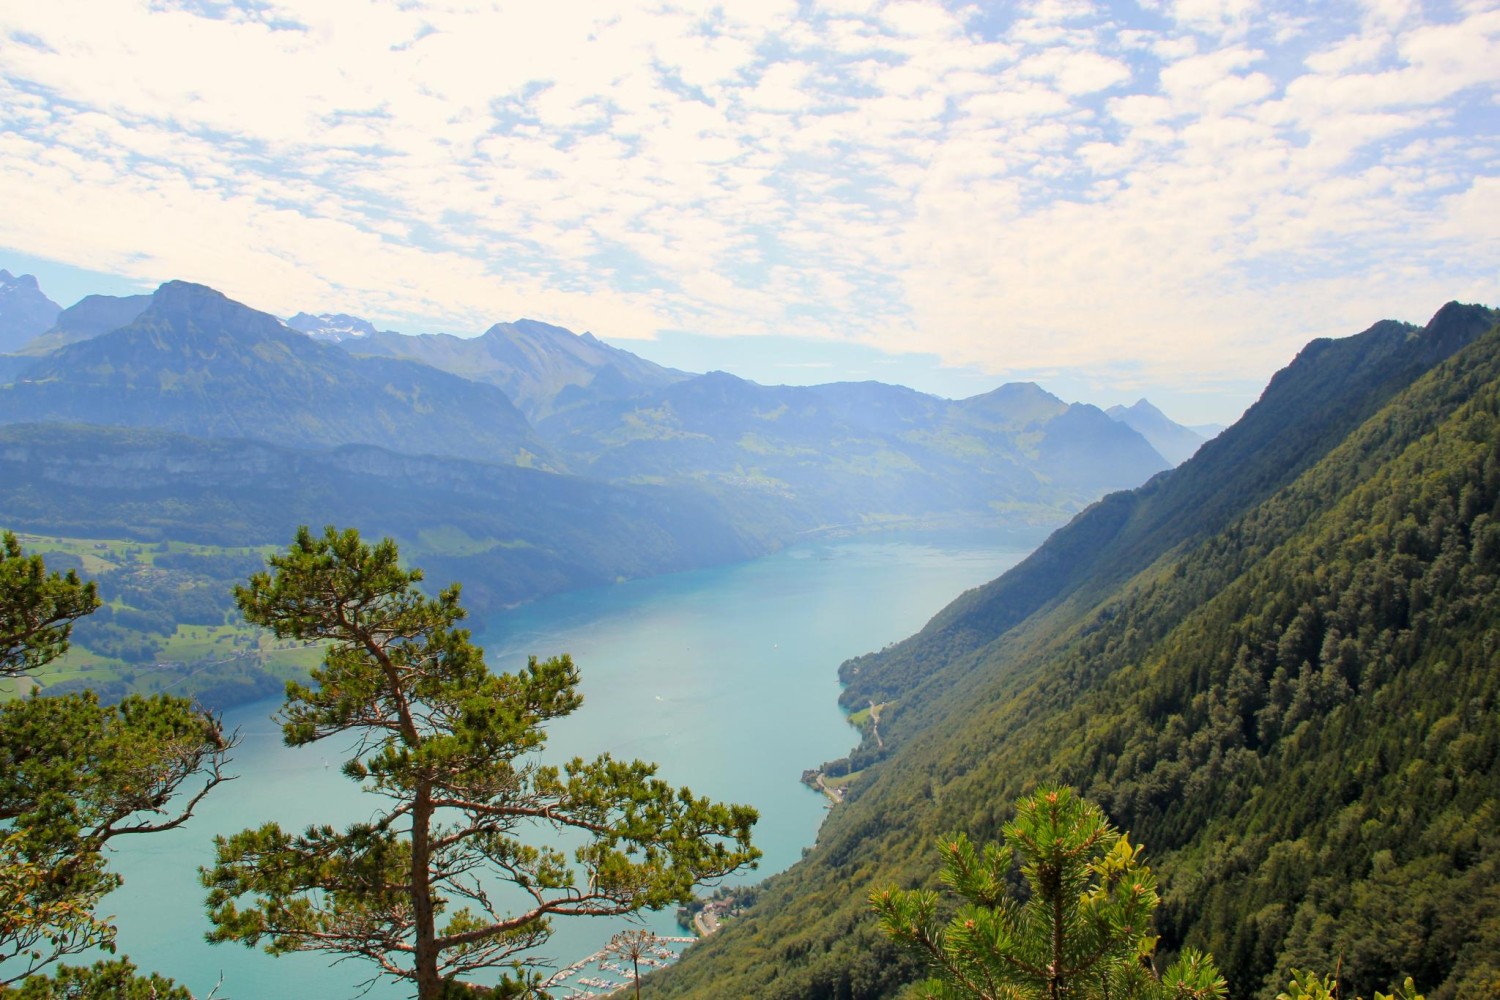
point(1075, 73)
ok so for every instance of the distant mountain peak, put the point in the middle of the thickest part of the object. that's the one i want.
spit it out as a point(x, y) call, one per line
point(1142, 406)
point(190, 312)
point(1015, 405)
point(177, 288)
point(1018, 394)
point(542, 367)
point(332, 327)
point(25, 312)
point(538, 325)
point(1175, 442)
point(1455, 324)
point(89, 317)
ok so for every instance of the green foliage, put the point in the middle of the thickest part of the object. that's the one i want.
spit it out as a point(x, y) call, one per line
point(114, 978)
point(1082, 930)
point(1310, 986)
point(37, 609)
point(74, 775)
point(47, 907)
point(451, 747)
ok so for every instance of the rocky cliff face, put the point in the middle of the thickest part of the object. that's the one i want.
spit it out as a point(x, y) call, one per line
point(24, 311)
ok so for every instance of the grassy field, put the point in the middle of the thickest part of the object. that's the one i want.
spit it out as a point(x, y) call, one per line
point(148, 590)
point(103, 555)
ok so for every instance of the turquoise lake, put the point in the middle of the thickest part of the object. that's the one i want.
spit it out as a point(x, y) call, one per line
point(726, 677)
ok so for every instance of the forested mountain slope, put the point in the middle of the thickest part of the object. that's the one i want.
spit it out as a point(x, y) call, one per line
point(1308, 408)
point(508, 534)
point(1294, 709)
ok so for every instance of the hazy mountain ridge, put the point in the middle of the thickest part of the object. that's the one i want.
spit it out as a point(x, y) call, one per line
point(1175, 442)
point(1311, 765)
point(198, 363)
point(783, 460)
point(25, 312)
point(603, 407)
point(89, 317)
point(541, 367)
point(859, 452)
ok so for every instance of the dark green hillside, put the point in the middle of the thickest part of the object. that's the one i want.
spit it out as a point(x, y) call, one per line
point(509, 534)
point(1307, 409)
point(1295, 710)
point(198, 363)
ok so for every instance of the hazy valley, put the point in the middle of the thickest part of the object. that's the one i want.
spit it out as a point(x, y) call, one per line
point(184, 418)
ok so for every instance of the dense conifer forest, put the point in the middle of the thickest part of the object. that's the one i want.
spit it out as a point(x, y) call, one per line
point(1295, 708)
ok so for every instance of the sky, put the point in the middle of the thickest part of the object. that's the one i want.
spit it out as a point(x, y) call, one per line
point(1158, 198)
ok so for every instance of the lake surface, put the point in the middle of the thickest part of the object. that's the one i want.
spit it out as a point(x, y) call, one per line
point(727, 678)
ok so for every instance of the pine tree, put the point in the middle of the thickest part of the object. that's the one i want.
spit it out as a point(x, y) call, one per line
point(1082, 932)
point(1311, 986)
point(75, 775)
point(37, 609)
point(440, 885)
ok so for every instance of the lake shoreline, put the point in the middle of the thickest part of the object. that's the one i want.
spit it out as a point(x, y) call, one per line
point(680, 670)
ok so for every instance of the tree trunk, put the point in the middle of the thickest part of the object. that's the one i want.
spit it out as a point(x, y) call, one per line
point(429, 986)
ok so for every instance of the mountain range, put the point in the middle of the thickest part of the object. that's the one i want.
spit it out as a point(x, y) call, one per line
point(540, 367)
point(195, 362)
point(770, 463)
